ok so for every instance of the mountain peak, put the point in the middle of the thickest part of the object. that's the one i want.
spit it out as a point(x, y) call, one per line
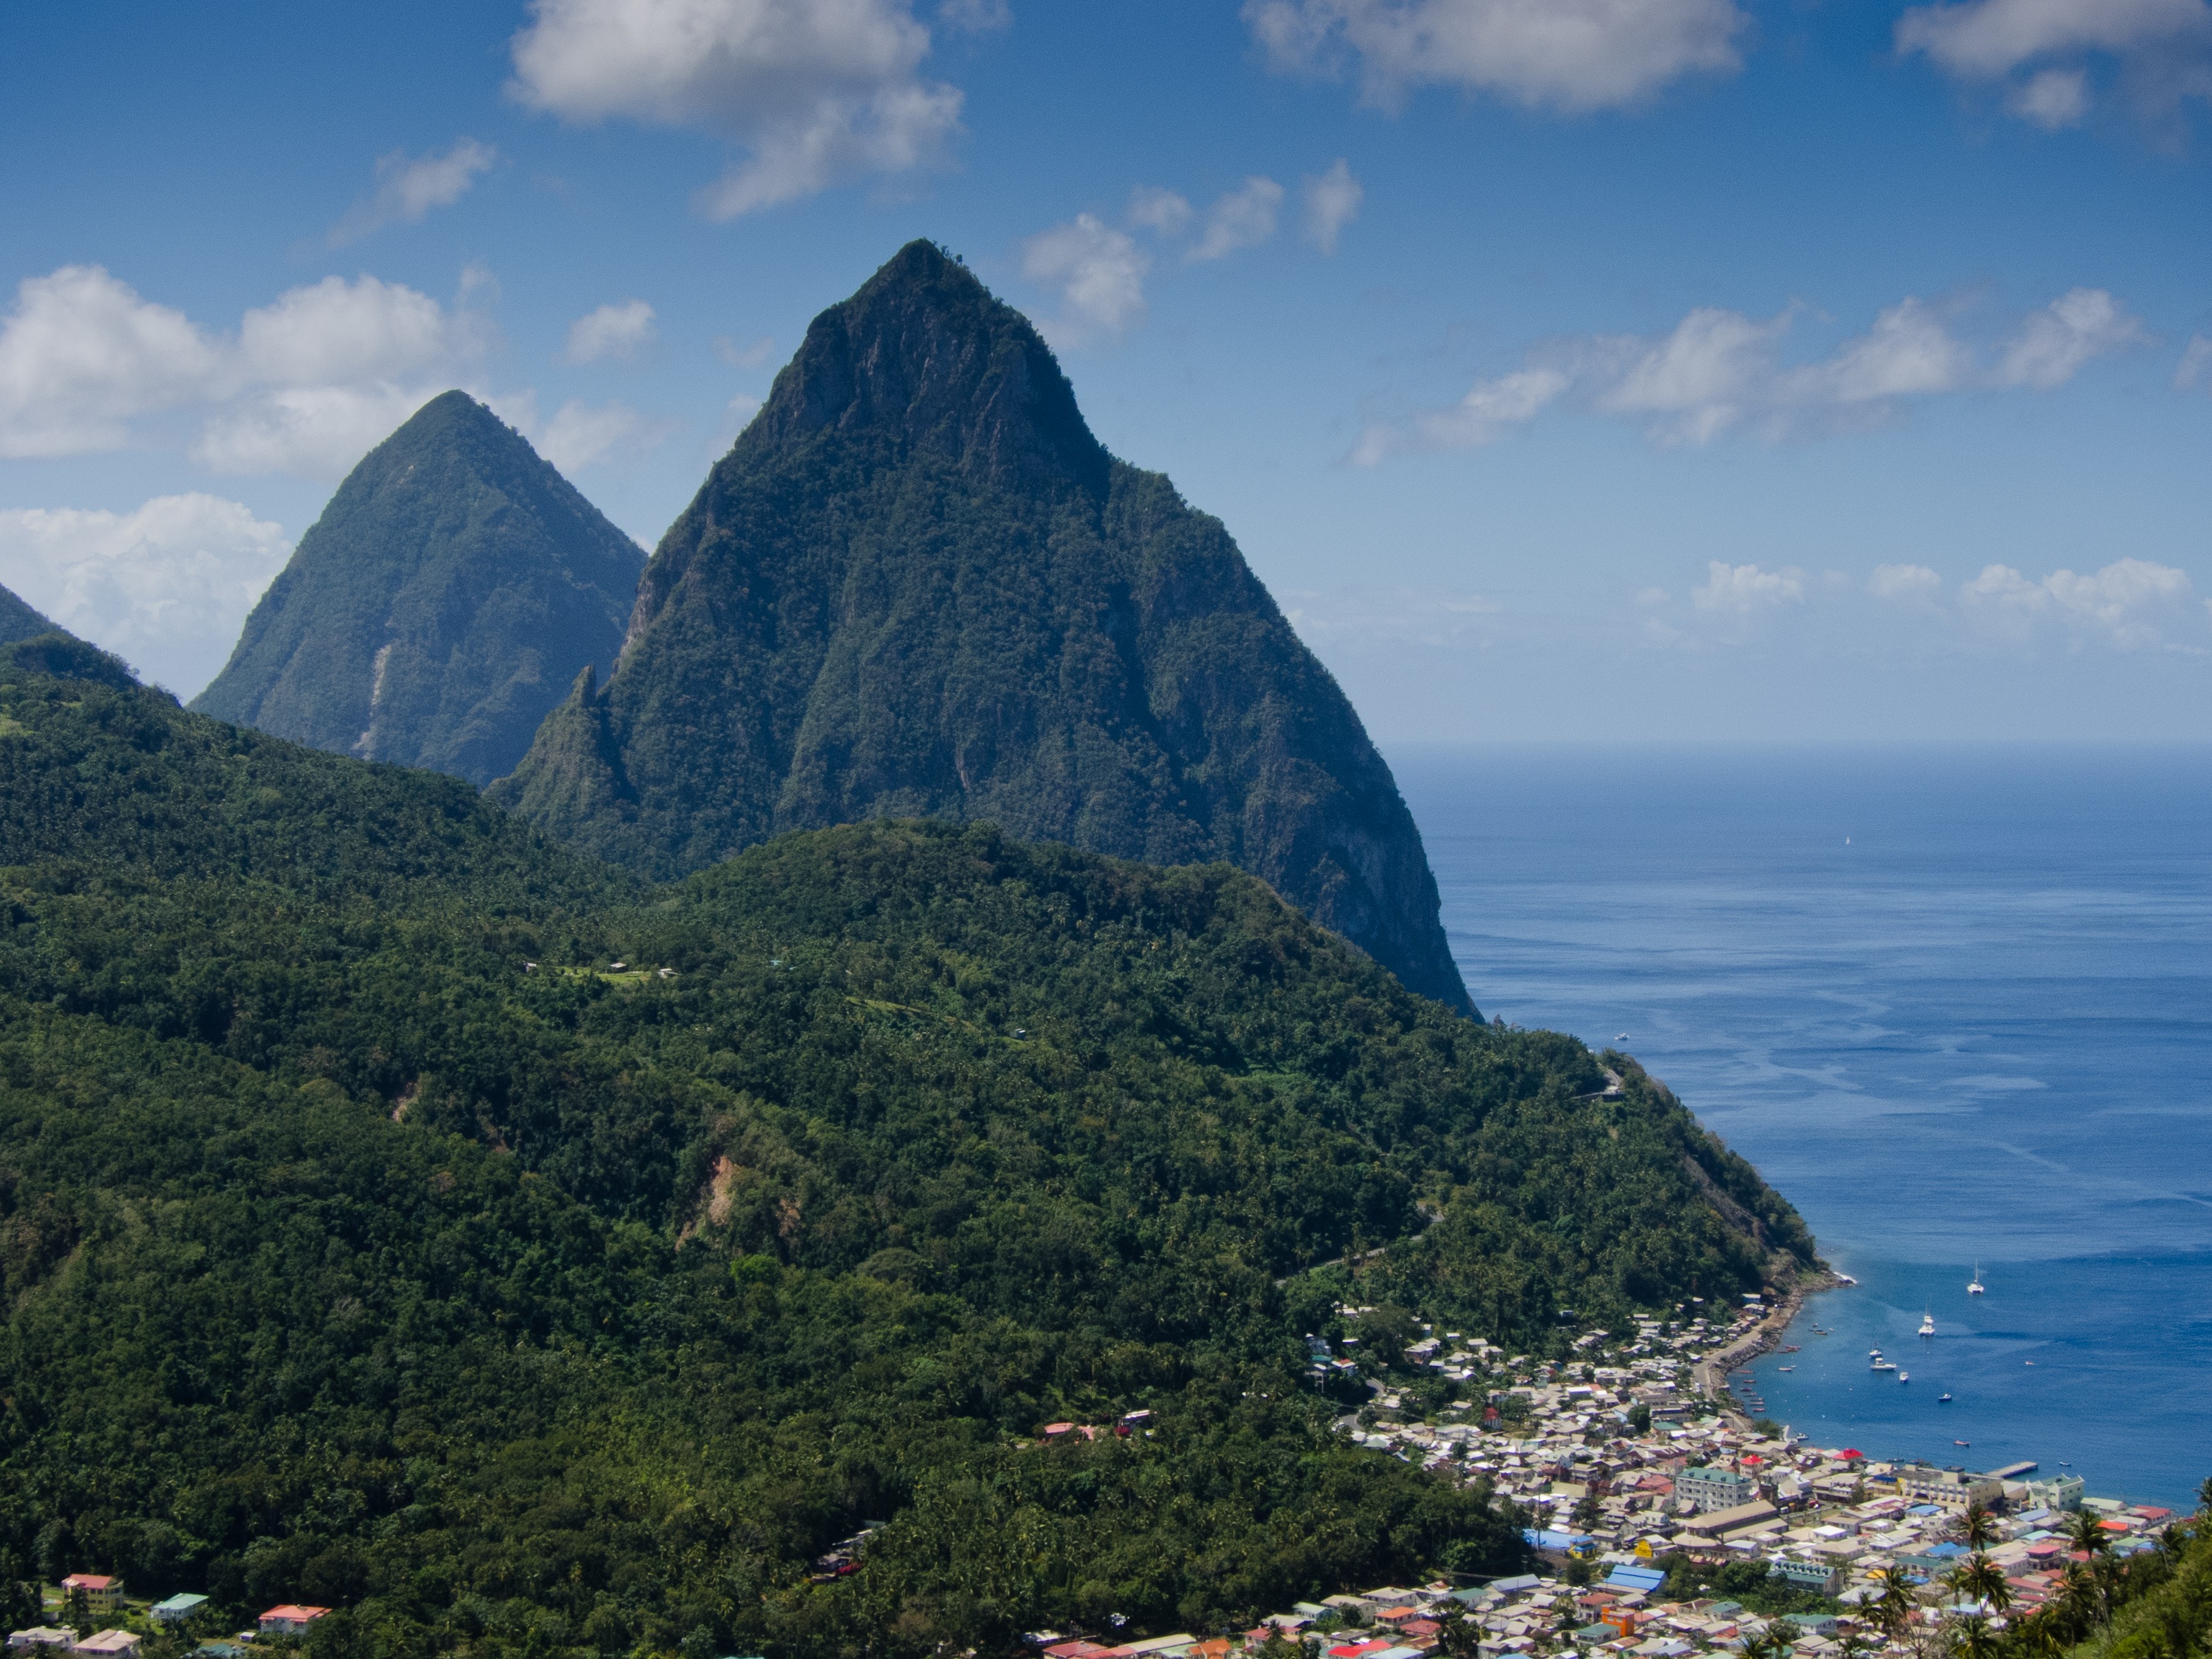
point(440, 605)
point(924, 356)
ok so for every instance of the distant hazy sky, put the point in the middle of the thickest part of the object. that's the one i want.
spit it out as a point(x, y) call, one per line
point(1621, 369)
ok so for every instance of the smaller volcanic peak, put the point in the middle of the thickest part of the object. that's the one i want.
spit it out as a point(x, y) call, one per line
point(440, 608)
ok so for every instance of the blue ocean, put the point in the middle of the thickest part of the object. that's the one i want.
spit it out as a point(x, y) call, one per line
point(1955, 1003)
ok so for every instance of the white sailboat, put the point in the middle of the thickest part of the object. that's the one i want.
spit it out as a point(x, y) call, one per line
point(1974, 1284)
point(1927, 1320)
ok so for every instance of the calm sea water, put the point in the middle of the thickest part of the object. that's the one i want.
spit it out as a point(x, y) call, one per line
point(1955, 1004)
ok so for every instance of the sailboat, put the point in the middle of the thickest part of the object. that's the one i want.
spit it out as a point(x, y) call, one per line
point(1974, 1284)
point(1928, 1319)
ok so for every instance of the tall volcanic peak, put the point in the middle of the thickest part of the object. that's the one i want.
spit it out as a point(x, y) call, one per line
point(917, 585)
point(440, 607)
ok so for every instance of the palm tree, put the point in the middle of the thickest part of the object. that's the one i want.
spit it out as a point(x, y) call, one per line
point(1894, 1609)
point(1976, 1528)
point(1972, 1638)
point(1983, 1580)
point(2086, 1532)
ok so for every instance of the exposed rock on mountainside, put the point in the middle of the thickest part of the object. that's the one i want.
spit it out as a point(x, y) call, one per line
point(919, 586)
point(442, 604)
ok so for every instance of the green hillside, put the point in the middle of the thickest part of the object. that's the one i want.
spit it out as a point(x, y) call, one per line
point(919, 586)
point(451, 590)
point(371, 1239)
point(18, 621)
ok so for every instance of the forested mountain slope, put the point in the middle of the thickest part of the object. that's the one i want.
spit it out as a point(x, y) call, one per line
point(369, 1238)
point(919, 586)
point(451, 590)
point(18, 621)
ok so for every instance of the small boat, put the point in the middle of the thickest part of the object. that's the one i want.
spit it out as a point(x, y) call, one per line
point(1974, 1286)
point(1883, 1366)
point(1962, 1443)
point(1942, 1398)
point(1904, 1376)
point(1874, 1353)
point(1928, 1324)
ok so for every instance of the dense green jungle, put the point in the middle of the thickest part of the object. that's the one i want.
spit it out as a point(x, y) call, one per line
point(402, 1213)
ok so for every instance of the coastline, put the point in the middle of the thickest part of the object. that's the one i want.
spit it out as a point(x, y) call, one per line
point(1709, 1375)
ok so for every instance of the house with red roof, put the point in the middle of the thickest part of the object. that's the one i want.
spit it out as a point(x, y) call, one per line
point(290, 1620)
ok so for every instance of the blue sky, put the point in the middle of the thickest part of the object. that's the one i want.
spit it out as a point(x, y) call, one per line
point(1568, 368)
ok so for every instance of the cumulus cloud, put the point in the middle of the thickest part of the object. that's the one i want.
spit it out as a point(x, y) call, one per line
point(1098, 272)
point(2128, 603)
point(306, 383)
point(816, 92)
point(1741, 589)
point(1241, 218)
point(408, 187)
point(166, 587)
point(611, 331)
point(81, 353)
point(2053, 343)
point(1333, 201)
point(1162, 210)
point(1719, 369)
point(1904, 584)
point(2162, 50)
point(1572, 55)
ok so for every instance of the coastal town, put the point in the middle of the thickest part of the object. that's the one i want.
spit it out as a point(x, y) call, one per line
point(1662, 1521)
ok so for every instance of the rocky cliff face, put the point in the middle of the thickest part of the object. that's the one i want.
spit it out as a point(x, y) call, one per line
point(918, 586)
point(440, 607)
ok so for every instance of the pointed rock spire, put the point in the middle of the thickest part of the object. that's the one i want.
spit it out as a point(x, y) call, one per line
point(434, 615)
point(917, 587)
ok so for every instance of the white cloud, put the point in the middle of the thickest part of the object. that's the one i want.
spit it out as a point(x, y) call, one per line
point(2196, 362)
point(611, 331)
point(975, 17)
point(577, 436)
point(2052, 99)
point(336, 331)
point(307, 383)
point(1741, 589)
point(1908, 353)
point(818, 91)
point(1904, 584)
point(1565, 54)
point(1700, 377)
point(166, 587)
point(408, 188)
point(1333, 201)
point(81, 353)
point(2162, 49)
point(1162, 210)
point(1719, 369)
point(314, 432)
point(1097, 270)
point(1241, 218)
point(1487, 413)
point(2053, 343)
point(2125, 603)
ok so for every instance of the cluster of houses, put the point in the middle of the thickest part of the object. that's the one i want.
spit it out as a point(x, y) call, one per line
point(102, 1598)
